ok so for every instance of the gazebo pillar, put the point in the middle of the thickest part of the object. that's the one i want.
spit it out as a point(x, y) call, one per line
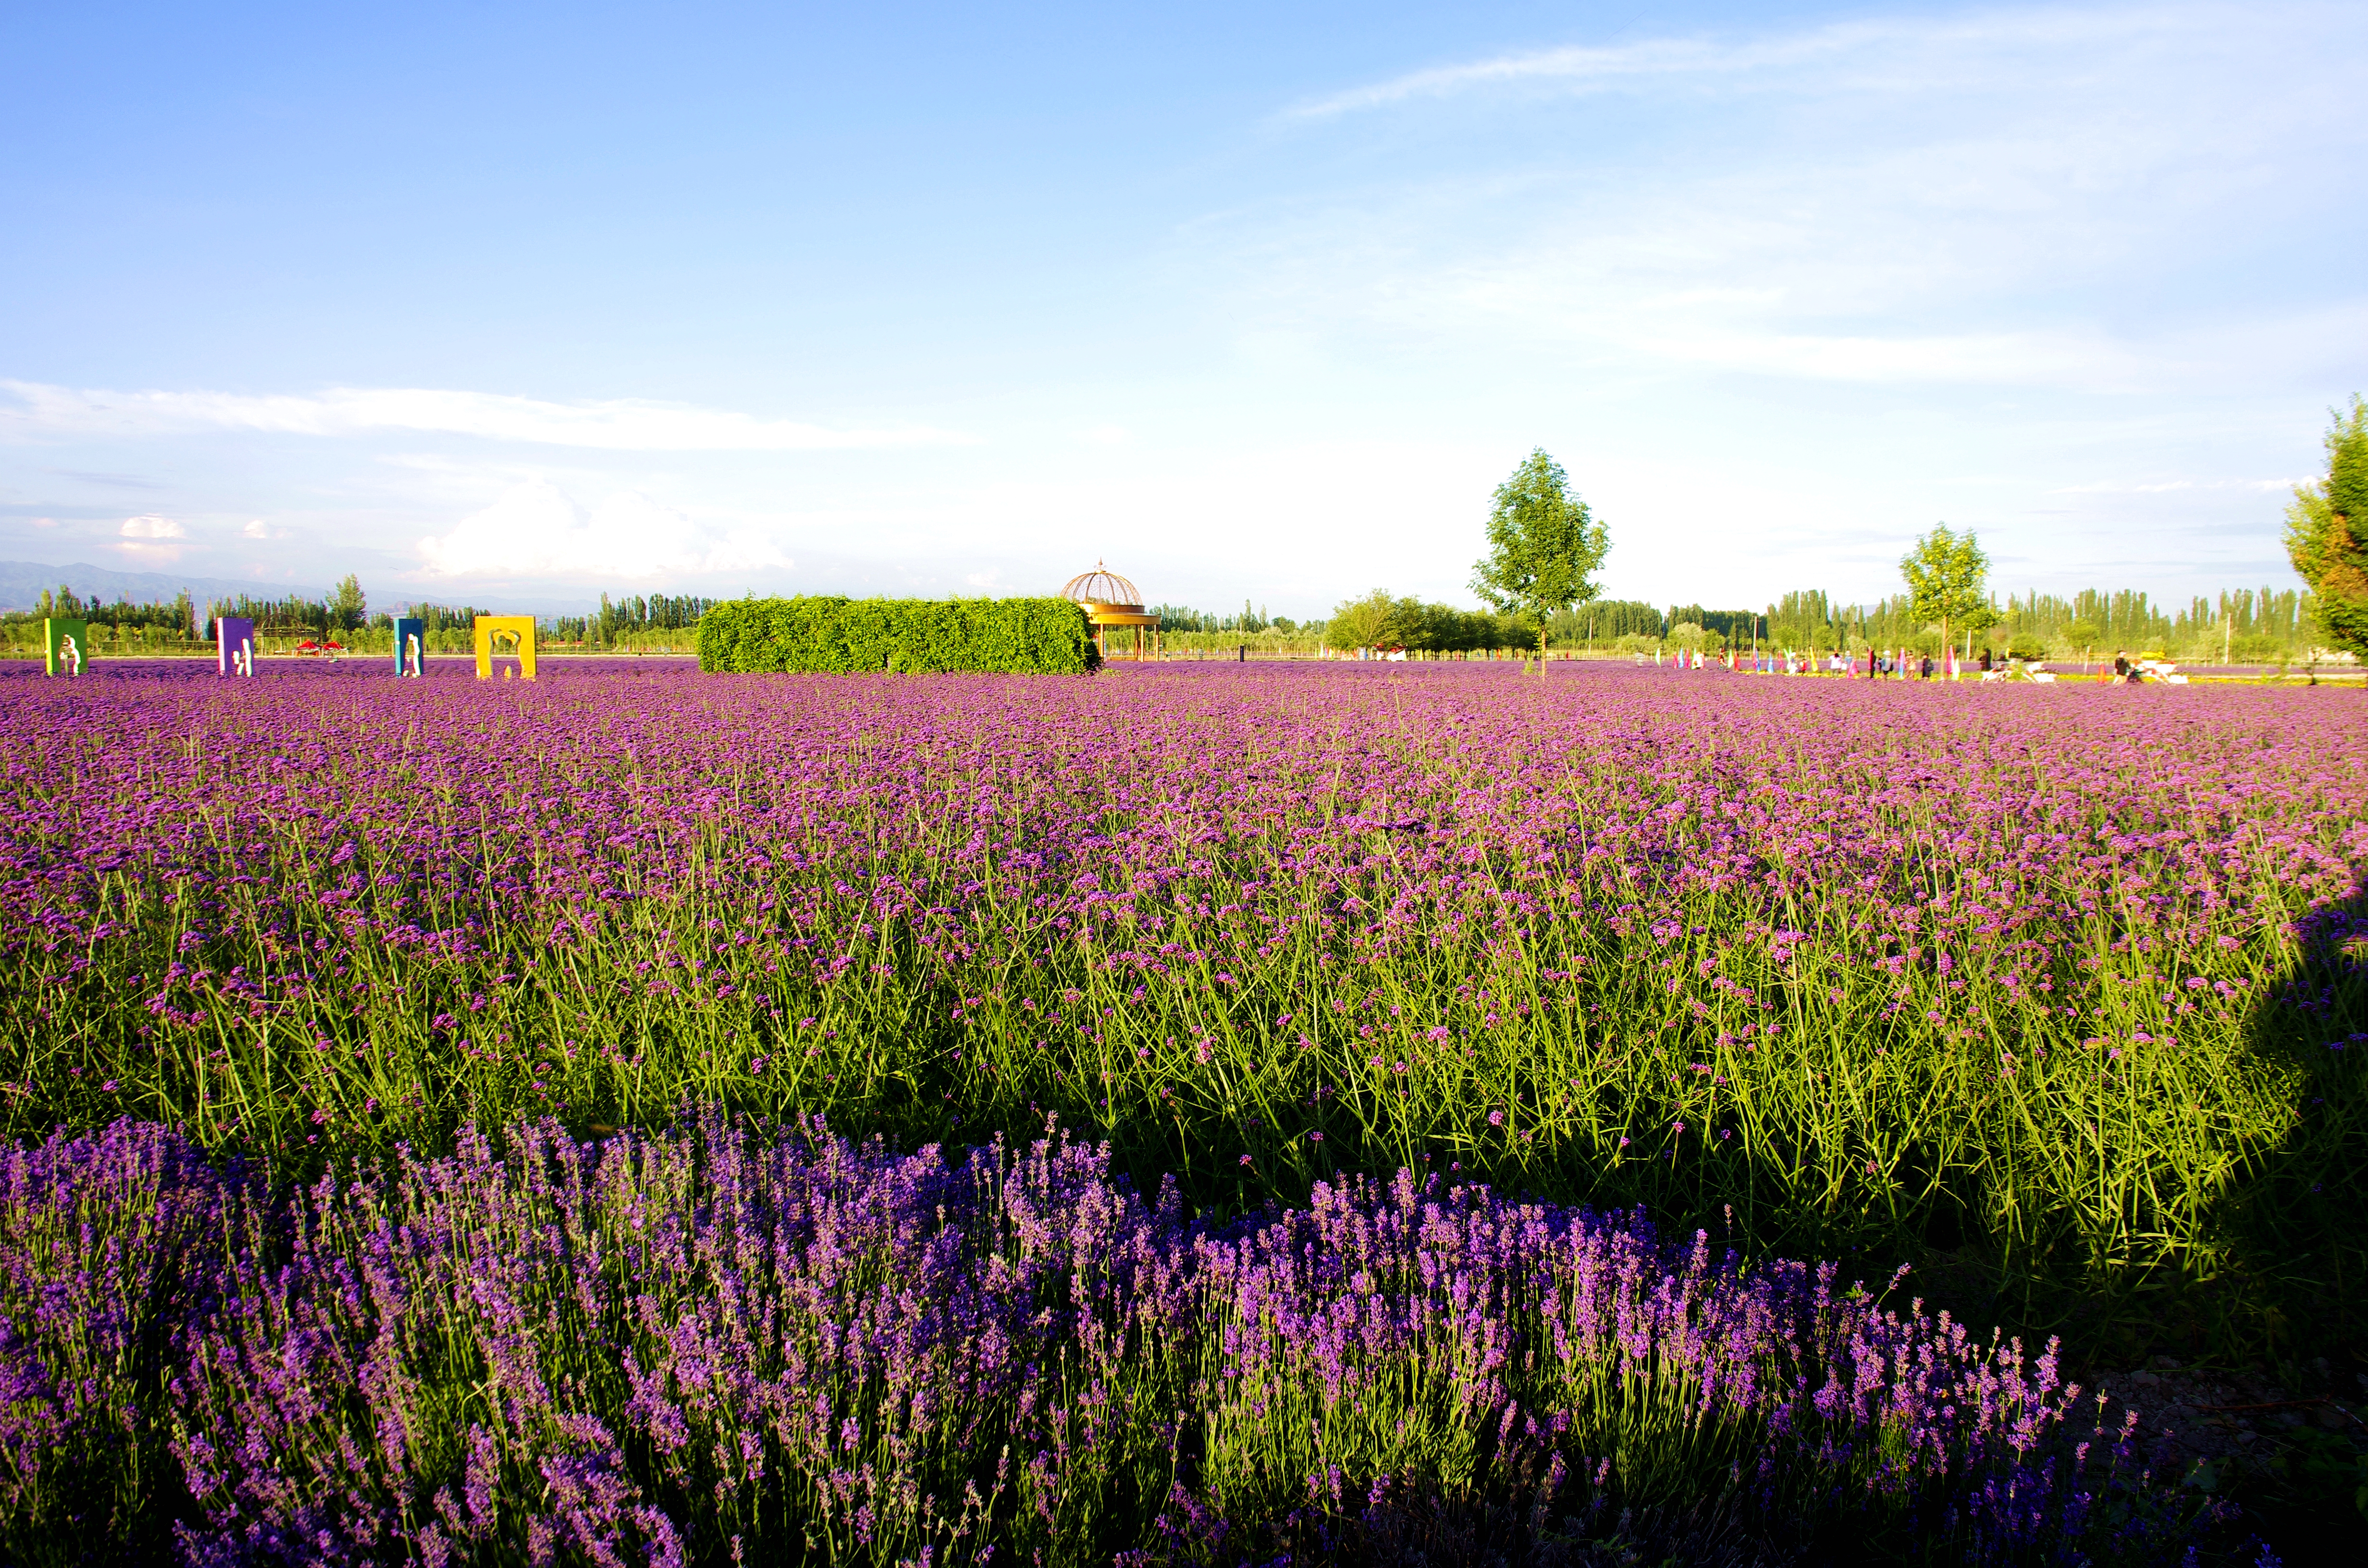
point(1110, 601)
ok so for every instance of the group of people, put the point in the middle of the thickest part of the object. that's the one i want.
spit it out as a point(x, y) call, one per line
point(2126, 673)
point(1886, 664)
point(1897, 664)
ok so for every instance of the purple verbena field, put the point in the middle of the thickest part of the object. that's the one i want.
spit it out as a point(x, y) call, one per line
point(648, 1116)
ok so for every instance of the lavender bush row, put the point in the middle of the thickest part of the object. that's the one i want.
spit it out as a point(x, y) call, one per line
point(712, 1342)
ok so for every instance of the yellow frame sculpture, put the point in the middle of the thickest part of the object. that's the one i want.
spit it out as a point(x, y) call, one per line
point(488, 627)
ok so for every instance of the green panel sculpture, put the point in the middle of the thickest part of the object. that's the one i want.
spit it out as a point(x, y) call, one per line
point(66, 646)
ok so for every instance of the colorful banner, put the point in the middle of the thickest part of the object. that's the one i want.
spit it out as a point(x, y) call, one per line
point(515, 628)
point(410, 647)
point(65, 646)
point(233, 646)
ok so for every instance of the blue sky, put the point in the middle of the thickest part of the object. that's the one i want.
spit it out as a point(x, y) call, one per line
point(514, 303)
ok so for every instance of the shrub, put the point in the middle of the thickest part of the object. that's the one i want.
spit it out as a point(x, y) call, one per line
point(828, 634)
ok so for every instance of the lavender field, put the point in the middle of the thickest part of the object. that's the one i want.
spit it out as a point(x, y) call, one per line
point(1194, 1114)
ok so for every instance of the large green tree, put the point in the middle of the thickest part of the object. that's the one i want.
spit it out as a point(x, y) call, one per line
point(1946, 572)
point(2327, 533)
point(1543, 546)
point(348, 606)
point(1369, 622)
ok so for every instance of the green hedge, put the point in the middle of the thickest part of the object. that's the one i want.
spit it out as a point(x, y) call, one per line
point(823, 633)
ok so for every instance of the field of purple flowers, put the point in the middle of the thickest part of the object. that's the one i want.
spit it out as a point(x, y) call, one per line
point(2054, 994)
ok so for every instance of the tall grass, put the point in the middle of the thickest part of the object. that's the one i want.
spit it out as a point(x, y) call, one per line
point(2052, 993)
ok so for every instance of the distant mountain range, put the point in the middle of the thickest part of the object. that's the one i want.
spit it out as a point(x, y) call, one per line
point(21, 582)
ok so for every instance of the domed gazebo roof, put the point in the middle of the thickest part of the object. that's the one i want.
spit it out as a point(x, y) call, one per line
point(1102, 586)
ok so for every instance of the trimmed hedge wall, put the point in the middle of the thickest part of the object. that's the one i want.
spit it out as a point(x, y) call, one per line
point(824, 633)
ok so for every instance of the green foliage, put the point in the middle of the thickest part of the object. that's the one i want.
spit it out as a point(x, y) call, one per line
point(619, 622)
point(1724, 626)
point(1377, 620)
point(444, 618)
point(1367, 622)
point(1804, 619)
point(2246, 624)
point(825, 634)
point(348, 606)
point(170, 615)
point(1605, 620)
point(2327, 533)
point(1543, 545)
point(1945, 572)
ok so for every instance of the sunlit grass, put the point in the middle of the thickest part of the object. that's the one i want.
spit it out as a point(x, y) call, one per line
point(2000, 980)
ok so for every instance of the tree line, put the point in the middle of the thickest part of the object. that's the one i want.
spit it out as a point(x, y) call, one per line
point(2265, 625)
point(344, 610)
point(2248, 625)
point(1183, 618)
point(622, 619)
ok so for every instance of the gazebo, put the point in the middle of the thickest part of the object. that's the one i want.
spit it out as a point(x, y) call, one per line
point(1114, 604)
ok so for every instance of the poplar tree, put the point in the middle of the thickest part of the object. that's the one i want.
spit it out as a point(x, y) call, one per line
point(2326, 534)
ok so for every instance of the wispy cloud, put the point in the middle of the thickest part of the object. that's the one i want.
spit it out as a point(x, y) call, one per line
point(1895, 46)
point(1974, 201)
point(620, 426)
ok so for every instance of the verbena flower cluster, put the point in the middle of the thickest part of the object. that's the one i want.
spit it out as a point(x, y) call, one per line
point(1866, 961)
point(2057, 993)
point(693, 1344)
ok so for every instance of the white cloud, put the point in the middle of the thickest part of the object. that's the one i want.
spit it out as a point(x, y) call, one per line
point(623, 425)
point(257, 528)
point(536, 529)
point(150, 538)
